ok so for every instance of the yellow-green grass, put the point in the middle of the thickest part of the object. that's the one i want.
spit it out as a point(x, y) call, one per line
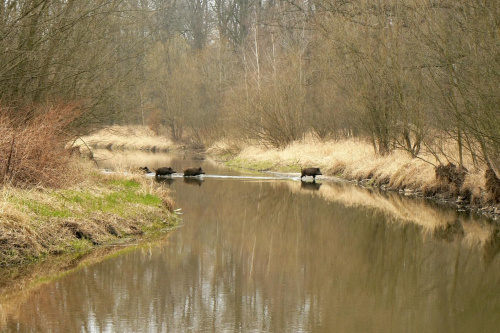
point(102, 210)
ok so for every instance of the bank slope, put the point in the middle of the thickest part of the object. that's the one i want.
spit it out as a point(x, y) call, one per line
point(105, 209)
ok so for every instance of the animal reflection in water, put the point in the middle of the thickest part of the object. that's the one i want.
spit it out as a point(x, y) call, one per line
point(311, 186)
point(166, 181)
point(187, 180)
point(193, 181)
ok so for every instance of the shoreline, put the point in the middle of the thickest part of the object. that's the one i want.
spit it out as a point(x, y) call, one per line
point(490, 212)
point(350, 160)
point(106, 211)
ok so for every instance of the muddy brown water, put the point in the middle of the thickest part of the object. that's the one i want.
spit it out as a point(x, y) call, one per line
point(275, 255)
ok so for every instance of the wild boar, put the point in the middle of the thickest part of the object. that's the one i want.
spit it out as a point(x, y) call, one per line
point(145, 169)
point(310, 172)
point(165, 171)
point(190, 172)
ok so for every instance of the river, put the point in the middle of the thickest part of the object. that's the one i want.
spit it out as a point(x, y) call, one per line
point(260, 254)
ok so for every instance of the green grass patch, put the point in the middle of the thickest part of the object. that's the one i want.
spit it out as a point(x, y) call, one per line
point(126, 196)
point(116, 201)
point(40, 209)
point(226, 156)
point(80, 245)
point(252, 165)
point(119, 201)
point(157, 226)
point(288, 168)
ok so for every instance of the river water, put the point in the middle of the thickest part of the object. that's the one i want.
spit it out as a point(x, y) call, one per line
point(276, 255)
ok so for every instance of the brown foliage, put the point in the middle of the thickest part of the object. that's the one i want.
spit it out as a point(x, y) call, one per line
point(32, 149)
point(154, 121)
point(492, 185)
point(450, 174)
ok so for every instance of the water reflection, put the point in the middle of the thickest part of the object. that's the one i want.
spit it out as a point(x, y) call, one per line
point(165, 180)
point(313, 186)
point(268, 256)
point(193, 181)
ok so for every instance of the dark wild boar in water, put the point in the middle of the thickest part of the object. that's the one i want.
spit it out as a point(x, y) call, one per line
point(165, 171)
point(145, 169)
point(189, 172)
point(310, 172)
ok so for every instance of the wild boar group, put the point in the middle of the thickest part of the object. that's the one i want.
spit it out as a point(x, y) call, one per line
point(192, 172)
point(168, 171)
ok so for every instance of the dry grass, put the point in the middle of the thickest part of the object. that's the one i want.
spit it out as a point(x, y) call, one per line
point(125, 138)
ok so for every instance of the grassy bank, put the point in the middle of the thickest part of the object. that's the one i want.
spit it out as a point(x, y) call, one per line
point(101, 210)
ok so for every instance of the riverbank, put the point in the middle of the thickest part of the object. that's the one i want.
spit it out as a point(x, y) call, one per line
point(351, 160)
point(101, 210)
point(354, 160)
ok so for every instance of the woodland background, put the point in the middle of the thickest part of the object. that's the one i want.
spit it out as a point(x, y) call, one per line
point(413, 75)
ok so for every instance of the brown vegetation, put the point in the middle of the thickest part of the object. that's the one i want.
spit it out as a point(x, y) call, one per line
point(414, 76)
point(86, 51)
point(411, 87)
point(492, 185)
point(32, 148)
point(125, 138)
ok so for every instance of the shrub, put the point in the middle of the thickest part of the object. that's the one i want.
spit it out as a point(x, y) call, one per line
point(32, 145)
